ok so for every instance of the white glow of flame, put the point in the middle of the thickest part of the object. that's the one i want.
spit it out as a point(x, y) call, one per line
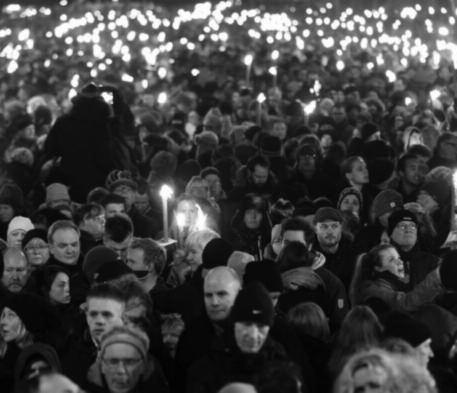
point(261, 98)
point(248, 59)
point(162, 98)
point(166, 192)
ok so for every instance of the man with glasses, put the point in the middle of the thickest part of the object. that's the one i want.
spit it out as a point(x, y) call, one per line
point(91, 222)
point(124, 364)
point(403, 232)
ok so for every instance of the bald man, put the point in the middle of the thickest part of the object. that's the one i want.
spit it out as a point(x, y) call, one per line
point(16, 270)
point(220, 288)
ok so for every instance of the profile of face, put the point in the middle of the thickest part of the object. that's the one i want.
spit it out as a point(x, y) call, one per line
point(329, 233)
point(122, 366)
point(250, 336)
point(391, 262)
point(65, 246)
point(369, 379)
point(405, 234)
point(220, 290)
point(128, 193)
point(59, 293)
point(252, 219)
point(14, 238)
point(102, 315)
point(350, 203)
point(359, 173)
point(188, 210)
point(6, 213)
point(11, 326)
point(37, 252)
point(95, 224)
point(15, 271)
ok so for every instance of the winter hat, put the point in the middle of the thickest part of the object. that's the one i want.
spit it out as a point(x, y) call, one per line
point(11, 194)
point(118, 178)
point(33, 311)
point(270, 146)
point(381, 170)
point(20, 222)
point(367, 130)
point(216, 253)
point(327, 214)
point(448, 270)
point(126, 335)
point(253, 304)
point(36, 233)
point(401, 325)
point(386, 201)
point(34, 351)
point(207, 138)
point(57, 192)
point(111, 270)
point(266, 272)
point(399, 216)
point(95, 258)
point(349, 191)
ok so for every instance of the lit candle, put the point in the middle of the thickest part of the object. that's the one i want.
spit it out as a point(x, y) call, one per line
point(248, 59)
point(260, 100)
point(274, 71)
point(165, 193)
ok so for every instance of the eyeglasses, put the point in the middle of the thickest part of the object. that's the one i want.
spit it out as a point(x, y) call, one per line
point(114, 363)
point(405, 226)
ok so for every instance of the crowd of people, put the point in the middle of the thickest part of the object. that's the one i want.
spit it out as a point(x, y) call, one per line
point(309, 158)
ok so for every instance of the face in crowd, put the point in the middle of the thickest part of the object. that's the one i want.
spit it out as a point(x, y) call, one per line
point(250, 336)
point(65, 246)
point(102, 314)
point(16, 270)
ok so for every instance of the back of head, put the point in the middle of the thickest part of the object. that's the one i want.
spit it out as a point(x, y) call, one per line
point(294, 255)
point(308, 318)
point(118, 228)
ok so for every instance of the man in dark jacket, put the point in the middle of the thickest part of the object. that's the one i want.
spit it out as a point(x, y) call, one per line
point(338, 250)
point(221, 286)
point(247, 350)
point(104, 309)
